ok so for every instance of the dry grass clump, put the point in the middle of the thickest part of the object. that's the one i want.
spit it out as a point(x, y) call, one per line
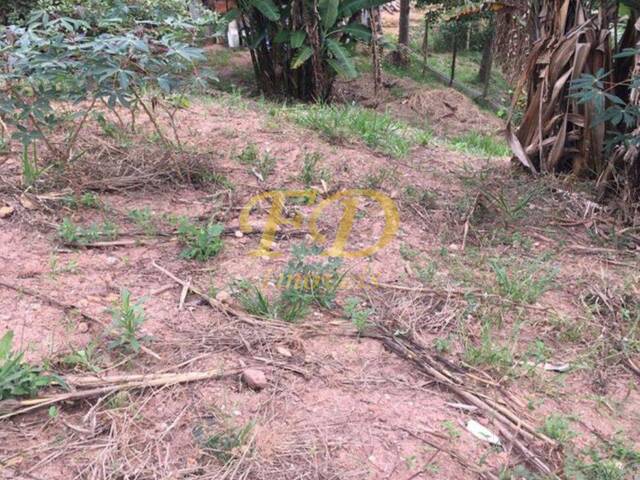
point(106, 165)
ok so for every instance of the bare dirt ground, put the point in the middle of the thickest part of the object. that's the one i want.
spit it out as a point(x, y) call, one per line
point(449, 338)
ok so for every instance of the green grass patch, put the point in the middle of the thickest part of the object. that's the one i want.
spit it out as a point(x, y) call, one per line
point(478, 144)
point(342, 123)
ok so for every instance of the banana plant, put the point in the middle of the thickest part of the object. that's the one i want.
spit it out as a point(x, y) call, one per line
point(298, 47)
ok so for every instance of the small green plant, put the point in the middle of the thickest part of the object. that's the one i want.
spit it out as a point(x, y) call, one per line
point(224, 445)
point(290, 306)
point(451, 429)
point(426, 274)
point(127, 317)
point(73, 234)
point(377, 179)
point(143, 218)
point(87, 200)
point(30, 170)
point(558, 427)
point(309, 174)
point(56, 268)
point(407, 253)
point(201, 242)
point(249, 155)
point(261, 164)
point(488, 353)
point(18, 378)
point(511, 209)
point(218, 179)
point(524, 285)
point(359, 316)
point(319, 281)
point(442, 345)
point(84, 359)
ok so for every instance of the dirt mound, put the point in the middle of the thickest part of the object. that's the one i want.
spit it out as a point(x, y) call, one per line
point(448, 112)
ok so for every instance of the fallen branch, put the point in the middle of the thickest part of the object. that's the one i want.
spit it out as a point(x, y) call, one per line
point(108, 386)
point(510, 422)
point(52, 301)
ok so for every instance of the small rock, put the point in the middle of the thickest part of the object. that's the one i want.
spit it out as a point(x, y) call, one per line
point(223, 297)
point(453, 247)
point(238, 234)
point(111, 260)
point(83, 327)
point(254, 378)
point(26, 203)
point(6, 211)
point(285, 352)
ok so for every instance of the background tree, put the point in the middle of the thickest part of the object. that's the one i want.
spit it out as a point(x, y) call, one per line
point(400, 56)
point(583, 103)
point(298, 47)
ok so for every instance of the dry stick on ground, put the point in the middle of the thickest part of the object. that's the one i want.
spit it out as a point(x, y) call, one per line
point(114, 384)
point(510, 421)
point(452, 453)
point(452, 291)
point(52, 301)
point(467, 221)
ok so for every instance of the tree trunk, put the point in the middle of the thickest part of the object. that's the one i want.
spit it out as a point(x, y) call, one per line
point(401, 55)
point(454, 58)
point(484, 74)
point(425, 45)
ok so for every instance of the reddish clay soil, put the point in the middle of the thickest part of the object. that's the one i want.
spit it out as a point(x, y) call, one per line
point(337, 405)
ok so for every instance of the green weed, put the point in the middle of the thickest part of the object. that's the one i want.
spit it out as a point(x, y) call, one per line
point(84, 359)
point(127, 317)
point(18, 378)
point(143, 218)
point(359, 316)
point(201, 242)
point(319, 281)
point(524, 285)
point(224, 445)
point(558, 427)
point(310, 174)
point(290, 306)
point(73, 234)
point(261, 164)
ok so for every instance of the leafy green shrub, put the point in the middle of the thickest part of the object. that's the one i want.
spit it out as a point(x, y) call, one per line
point(91, 67)
point(18, 378)
point(201, 243)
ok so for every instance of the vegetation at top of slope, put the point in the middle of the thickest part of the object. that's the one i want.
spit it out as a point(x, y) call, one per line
point(90, 62)
point(379, 131)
